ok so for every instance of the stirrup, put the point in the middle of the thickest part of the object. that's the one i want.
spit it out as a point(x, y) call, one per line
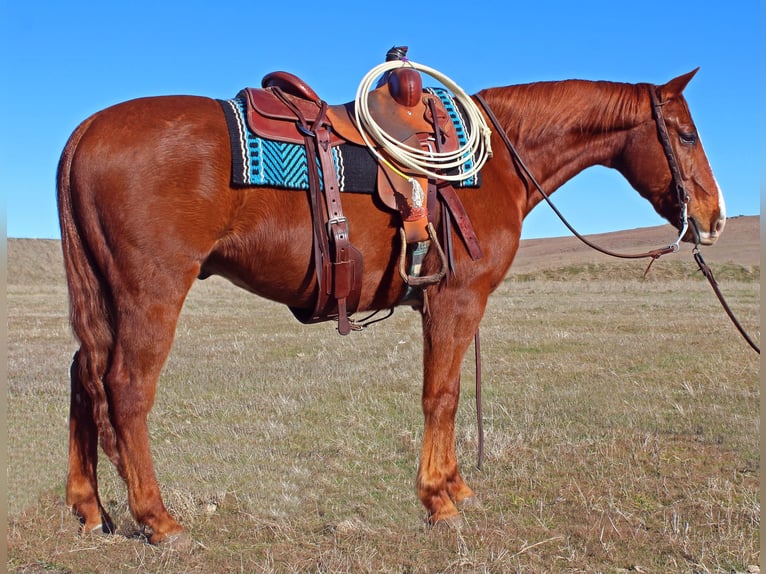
point(412, 280)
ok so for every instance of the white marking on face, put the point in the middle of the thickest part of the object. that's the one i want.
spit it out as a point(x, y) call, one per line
point(721, 202)
point(721, 223)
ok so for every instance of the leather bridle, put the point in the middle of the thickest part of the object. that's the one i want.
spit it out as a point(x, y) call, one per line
point(670, 155)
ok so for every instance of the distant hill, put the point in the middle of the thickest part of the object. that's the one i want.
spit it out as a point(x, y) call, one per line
point(739, 244)
point(40, 260)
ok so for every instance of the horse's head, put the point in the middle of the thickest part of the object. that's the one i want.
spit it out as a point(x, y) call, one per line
point(648, 164)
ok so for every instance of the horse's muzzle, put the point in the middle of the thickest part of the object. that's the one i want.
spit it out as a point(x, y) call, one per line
point(696, 235)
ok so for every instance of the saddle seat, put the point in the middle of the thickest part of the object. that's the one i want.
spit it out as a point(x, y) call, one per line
point(399, 107)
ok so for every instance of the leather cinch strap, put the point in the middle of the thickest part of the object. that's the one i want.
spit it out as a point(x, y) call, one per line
point(338, 264)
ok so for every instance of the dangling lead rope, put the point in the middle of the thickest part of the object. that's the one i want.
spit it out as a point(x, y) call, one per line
point(479, 416)
point(425, 162)
point(708, 273)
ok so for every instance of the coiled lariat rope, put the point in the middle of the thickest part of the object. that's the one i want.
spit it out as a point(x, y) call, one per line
point(430, 163)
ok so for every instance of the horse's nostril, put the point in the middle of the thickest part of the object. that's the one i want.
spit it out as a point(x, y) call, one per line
point(719, 225)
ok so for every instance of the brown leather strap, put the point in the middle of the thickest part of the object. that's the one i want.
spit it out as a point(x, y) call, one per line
point(321, 248)
point(452, 201)
point(708, 273)
point(653, 254)
point(337, 263)
point(670, 155)
point(343, 277)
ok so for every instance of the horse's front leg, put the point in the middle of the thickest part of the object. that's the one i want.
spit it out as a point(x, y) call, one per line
point(448, 329)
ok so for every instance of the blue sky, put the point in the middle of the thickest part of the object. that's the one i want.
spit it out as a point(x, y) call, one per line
point(62, 61)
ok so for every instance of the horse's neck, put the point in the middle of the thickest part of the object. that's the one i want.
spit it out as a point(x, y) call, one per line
point(562, 128)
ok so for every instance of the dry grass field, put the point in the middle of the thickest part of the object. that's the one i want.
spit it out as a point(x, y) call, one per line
point(621, 416)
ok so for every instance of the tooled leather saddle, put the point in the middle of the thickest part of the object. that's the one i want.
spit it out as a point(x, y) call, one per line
point(286, 109)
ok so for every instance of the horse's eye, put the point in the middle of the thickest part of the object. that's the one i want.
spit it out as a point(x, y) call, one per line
point(689, 138)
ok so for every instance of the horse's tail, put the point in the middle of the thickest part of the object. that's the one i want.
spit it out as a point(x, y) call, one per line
point(84, 246)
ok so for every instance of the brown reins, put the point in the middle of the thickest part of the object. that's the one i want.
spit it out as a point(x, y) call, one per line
point(654, 254)
point(683, 200)
point(708, 273)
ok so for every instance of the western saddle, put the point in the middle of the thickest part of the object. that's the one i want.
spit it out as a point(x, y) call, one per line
point(286, 109)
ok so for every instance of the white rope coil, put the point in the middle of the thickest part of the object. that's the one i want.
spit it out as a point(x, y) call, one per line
point(430, 163)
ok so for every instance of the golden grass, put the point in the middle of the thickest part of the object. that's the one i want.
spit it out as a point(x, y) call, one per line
point(621, 419)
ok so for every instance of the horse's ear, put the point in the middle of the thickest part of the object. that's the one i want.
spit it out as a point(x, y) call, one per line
point(677, 85)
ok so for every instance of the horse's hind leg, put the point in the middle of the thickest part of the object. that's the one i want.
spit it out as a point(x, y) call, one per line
point(142, 344)
point(82, 483)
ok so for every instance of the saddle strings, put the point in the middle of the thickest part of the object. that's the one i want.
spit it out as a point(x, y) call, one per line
point(428, 163)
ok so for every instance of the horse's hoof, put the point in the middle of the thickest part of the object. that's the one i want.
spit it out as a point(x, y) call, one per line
point(452, 522)
point(97, 530)
point(470, 504)
point(179, 542)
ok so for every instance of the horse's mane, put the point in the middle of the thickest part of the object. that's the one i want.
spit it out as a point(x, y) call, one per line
point(561, 106)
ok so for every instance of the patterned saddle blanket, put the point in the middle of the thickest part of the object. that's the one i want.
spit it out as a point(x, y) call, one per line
point(258, 161)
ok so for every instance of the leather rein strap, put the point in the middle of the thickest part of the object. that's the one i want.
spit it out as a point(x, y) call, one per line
point(683, 198)
point(708, 273)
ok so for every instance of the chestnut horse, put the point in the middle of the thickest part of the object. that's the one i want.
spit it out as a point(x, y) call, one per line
point(146, 208)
